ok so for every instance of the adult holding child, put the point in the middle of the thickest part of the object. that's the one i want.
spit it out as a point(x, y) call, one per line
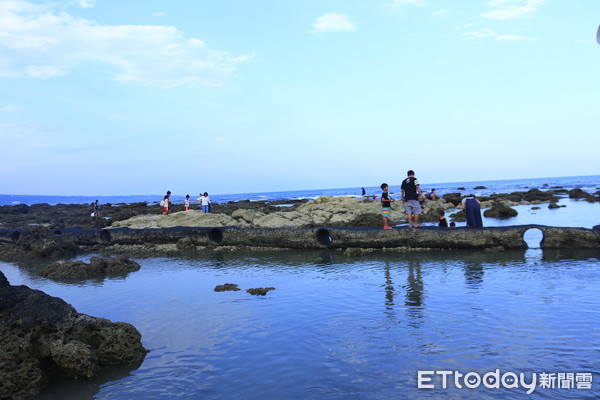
point(412, 195)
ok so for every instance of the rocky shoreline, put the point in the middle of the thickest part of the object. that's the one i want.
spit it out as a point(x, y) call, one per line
point(41, 336)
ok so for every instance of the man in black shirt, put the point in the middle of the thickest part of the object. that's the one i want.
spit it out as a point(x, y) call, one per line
point(411, 195)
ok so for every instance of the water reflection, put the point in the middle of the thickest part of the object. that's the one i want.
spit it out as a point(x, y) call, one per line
point(473, 275)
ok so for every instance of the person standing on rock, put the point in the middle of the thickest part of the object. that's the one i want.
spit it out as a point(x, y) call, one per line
point(386, 205)
point(165, 203)
point(472, 210)
point(412, 195)
point(96, 213)
point(204, 202)
point(186, 203)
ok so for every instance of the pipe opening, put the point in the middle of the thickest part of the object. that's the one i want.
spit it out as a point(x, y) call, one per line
point(105, 236)
point(215, 235)
point(323, 237)
point(534, 238)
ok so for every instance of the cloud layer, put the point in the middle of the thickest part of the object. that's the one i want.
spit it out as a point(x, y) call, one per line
point(333, 22)
point(512, 9)
point(37, 41)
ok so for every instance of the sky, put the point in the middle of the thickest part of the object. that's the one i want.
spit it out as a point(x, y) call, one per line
point(112, 97)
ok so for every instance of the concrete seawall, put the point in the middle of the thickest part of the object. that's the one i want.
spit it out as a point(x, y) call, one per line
point(331, 237)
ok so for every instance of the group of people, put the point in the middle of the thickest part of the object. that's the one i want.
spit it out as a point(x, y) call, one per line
point(413, 197)
point(204, 200)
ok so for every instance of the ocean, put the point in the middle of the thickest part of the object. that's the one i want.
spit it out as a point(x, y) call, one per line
point(587, 183)
point(351, 328)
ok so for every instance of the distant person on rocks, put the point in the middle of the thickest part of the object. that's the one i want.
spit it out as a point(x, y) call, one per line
point(442, 221)
point(472, 209)
point(432, 195)
point(204, 202)
point(364, 192)
point(186, 203)
point(386, 205)
point(165, 203)
point(412, 195)
point(96, 212)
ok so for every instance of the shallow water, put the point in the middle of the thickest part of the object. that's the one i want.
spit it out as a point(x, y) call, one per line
point(340, 328)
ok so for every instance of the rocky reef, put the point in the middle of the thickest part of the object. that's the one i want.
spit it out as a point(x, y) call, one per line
point(98, 267)
point(42, 336)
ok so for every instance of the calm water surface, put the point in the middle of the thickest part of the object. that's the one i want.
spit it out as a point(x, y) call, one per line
point(341, 328)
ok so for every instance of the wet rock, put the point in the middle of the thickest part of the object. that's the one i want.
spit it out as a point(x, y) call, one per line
point(40, 242)
point(259, 291)
point(495, 249)
point(186, 244)
point(40, 335)
point(536, 208)
point(538, 195)
point(454, 198)
point(97, 267)
point(580, 194)
point(354, 252)
point(555, 205)
point(18, 209)
point(479, 187)
point(461, 188)
point(500, 211)
point(228, 287)
point(458, 217)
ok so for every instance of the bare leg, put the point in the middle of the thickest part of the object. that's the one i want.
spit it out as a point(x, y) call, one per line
point(417, 221)
point(410, 220)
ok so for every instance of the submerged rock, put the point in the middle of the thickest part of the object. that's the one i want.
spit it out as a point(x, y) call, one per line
point(41, 335)
point(97, 267)
point(259, 291)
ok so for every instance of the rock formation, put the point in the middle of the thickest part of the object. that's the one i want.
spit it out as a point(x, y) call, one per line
point(42, 335)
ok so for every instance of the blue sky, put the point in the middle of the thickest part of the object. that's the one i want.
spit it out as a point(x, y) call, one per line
point(112, 97)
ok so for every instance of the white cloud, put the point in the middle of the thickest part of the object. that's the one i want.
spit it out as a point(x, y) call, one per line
point(40, 43)
point(408, 2)
point(9, 108)
point(512, 9)
point(86, 3)
point(333, 22)
point(480, 34)
point(441, 13)
point(487, 33)
point(159, 14)
point(512, 37)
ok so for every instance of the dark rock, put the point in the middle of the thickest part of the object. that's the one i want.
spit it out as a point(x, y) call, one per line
point(454, 198)
point(555, 205)
point(578, 194)
point(461, 188)
point(500, 211)
point(40, 335)
point(354, 252)
point(538, 195)
point(228, 287)
point(186, 244)
point(458, 217)
point(40, 242)
point(97, 267)
point(597, 228)
point(259, 291)
point(536, 208)
point(19, 209)
point(479, 187)
point(495, 249)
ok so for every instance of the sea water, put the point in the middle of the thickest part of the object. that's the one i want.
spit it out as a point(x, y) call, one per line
point(590, 184)
point(344, 328)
